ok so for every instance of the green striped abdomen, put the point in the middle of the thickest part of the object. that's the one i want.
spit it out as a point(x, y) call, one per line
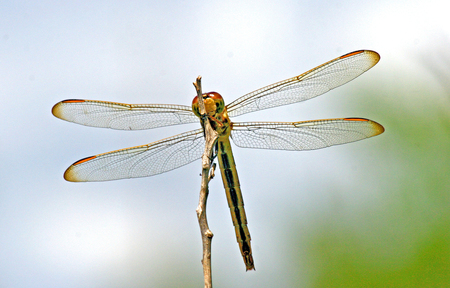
point(235, 201)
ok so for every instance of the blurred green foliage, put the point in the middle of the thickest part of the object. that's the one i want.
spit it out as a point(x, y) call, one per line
point(402, 239)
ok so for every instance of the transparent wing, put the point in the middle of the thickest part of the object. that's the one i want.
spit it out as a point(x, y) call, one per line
point(123, 116)
point(304, 135)
point(310, 84)
point(140, 161)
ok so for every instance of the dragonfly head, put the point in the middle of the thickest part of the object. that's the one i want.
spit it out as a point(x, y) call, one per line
point(214, 104)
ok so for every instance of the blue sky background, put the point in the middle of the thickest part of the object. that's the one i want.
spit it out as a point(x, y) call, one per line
point(363, 212)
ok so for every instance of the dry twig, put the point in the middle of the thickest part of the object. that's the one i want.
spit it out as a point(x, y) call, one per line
point(211, 138)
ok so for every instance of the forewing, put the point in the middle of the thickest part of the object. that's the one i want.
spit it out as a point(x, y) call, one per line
point(123, 116)
point(140, 161)
point(310, 84)
point(304, 135)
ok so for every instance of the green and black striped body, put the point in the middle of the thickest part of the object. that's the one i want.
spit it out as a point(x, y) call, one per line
point(234, 197)
point(220, 122)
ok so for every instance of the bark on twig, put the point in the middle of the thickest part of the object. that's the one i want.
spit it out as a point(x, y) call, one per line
point(210, 137)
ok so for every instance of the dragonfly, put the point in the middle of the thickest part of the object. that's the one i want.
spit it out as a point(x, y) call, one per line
point(173, 152)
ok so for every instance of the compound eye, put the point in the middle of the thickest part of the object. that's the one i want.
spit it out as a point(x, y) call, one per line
point(195, 107)
point(213, 103)
point(195, 101)
point(213, 95)
point(218, 100)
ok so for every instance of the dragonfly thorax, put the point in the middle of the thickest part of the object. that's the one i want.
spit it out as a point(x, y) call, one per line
point(213, 101)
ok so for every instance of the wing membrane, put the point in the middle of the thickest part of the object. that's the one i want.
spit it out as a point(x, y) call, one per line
point(140, 161)
point(304, 135)
point(123, 116)
point(310, 84)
